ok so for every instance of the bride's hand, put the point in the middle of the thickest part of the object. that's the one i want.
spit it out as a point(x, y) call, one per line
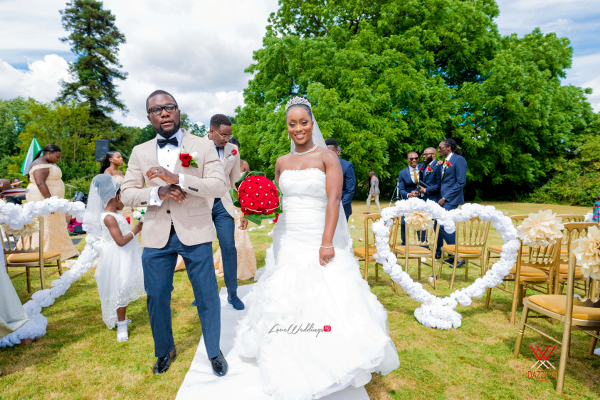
point(326, 255)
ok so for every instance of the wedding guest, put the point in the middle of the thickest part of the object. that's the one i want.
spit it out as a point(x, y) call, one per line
point(16, 183)
point(223, 212)
point(454, 179)
point(109, 164)
point(45, 182)
point(349, 185)
point(596, 217)
point(408, 180)
point(244, 166)
point(119, 275)
point(373, 193)
point(431, 173)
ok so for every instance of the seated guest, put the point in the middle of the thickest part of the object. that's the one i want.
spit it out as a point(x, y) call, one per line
point(408, 179)
point(16, 183)
point(349, 185)
point(454, 179)
point(596, 217)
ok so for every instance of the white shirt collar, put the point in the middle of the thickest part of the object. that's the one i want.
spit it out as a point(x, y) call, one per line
point(178, 135)
point(449, 156)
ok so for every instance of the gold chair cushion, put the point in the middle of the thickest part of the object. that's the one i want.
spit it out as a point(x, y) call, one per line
point(414, 250)
point(557, 304)
point(462, 250)
point(529, 271)
point(360, 251)
point(31, 257)
point(498, 248)
point(564, 269)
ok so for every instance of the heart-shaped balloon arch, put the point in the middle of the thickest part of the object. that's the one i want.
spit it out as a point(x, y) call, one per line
point(16, 217)
point(436, 312)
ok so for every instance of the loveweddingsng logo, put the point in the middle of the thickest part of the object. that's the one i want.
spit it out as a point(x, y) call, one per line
point(536, 371)
point(295, 329)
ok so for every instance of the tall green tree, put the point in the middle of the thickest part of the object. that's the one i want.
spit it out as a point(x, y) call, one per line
point(12, 124)
point(95, 39)
point(387, 77)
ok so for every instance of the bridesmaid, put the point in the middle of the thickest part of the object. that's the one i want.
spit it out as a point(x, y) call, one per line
point(109, 164)
point(45, 179)
point(244, 166)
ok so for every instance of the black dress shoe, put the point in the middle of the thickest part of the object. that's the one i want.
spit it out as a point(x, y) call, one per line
point(459, 264)
point(219, 365)
point(163, 363)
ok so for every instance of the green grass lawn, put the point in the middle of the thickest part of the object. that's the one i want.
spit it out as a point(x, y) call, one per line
point(79, 358)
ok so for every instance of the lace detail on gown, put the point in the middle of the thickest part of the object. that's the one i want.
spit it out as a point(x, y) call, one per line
point(119, 275)
point(296, 291)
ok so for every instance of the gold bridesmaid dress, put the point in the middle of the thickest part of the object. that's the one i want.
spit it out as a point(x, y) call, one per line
point(246, 258)
point(56, 235)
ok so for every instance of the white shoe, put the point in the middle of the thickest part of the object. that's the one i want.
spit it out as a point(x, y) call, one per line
point(122, 335)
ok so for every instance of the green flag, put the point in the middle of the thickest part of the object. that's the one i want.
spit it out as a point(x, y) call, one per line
point(34, 147)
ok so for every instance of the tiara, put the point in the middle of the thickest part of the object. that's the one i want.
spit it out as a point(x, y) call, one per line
point(297, 100)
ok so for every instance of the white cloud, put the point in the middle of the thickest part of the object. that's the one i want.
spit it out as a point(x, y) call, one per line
point(41, 81)
point(198, 50)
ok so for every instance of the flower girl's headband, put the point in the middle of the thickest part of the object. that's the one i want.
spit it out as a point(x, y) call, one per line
point(297, 100)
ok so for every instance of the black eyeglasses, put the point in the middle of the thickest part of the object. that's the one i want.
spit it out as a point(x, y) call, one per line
point(413, 158)
point(157, 110)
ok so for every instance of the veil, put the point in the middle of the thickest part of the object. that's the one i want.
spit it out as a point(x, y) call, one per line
point(103, 188)
point(341, 236)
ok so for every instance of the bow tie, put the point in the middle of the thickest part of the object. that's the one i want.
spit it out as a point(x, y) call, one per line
point(172, 141)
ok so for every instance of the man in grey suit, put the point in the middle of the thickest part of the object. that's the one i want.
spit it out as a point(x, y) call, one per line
point(373, 193)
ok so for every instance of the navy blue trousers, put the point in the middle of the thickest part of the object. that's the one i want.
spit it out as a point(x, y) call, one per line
point(225, 225)
point(445, 236)
point(347, 210)
point(159, 268)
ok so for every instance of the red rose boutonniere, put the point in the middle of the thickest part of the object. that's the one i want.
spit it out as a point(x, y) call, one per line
point(233, 153)
point(448, 164)
point(188, 159)
point(429, 169)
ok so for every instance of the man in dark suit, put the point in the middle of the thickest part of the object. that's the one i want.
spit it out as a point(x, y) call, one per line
point(408, 180)
point(432, 176)
point(349, 186)
point(454, 179)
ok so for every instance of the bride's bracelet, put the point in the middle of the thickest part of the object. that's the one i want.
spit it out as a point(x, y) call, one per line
point(327, 247)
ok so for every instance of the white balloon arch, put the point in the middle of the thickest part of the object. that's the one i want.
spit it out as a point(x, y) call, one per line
point(16, 217)
point(436, 312)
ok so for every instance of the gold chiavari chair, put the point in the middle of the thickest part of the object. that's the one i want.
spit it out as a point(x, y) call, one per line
point(575, 313)
point(530, 271)
point(494, 251)
point(560, 277)
point(365, 253)
point(19, 253)
point(470, 240)
point(419, 244)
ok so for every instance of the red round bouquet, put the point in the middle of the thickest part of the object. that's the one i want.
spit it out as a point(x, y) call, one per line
point(258, 197)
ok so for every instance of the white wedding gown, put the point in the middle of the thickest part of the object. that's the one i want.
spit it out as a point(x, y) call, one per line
point(119, 274)
point(295, 290)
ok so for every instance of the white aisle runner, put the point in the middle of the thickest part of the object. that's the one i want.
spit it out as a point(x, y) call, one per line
point(242, 381)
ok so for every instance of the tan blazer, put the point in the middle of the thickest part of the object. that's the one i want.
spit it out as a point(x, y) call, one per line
point(192, 219)
point(231, 165)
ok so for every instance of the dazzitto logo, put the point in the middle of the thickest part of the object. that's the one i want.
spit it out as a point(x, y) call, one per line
point(543, 369)
point(294, 329)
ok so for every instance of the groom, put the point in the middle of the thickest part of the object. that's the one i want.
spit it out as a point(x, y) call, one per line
point(178, 222)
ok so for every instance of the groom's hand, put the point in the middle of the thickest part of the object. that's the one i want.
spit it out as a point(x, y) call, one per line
point(243, 223)
point(172, 192)
point(164, 174)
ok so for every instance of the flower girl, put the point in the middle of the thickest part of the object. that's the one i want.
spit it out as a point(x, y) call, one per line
point(119, 274)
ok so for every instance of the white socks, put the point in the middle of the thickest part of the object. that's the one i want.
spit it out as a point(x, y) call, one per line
point(122, 335)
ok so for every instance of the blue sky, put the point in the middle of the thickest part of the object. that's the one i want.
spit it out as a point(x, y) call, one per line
point(203, 53)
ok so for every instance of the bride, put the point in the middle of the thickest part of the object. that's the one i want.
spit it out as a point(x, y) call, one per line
point(313, 324)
